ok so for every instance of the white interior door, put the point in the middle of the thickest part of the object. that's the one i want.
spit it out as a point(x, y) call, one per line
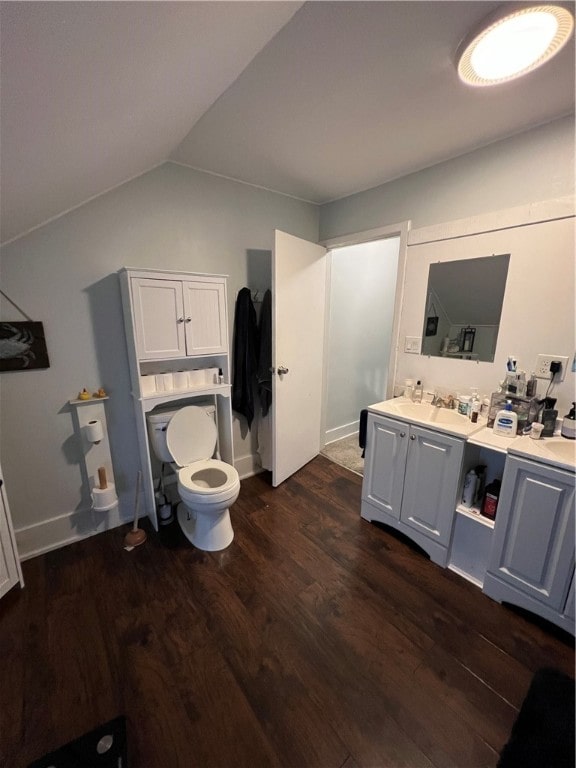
point(298, 309)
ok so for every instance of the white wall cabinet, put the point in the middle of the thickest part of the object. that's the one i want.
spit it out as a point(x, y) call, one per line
point(10, 571)
point(179, 318)
point(176, 322)
point(411, 480)
point(532, 559)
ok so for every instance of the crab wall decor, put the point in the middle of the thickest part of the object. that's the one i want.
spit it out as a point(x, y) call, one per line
point(22, 346)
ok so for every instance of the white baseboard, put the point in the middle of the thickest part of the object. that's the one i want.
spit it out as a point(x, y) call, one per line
point(338, 433)
point(47, 535)
point(34, 540)
point(247, 466)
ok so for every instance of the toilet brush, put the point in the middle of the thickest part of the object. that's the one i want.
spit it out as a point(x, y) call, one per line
point(136, 536)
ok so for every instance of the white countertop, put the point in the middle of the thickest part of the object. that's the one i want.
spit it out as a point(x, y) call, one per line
point(444, 420)
point(556, 451)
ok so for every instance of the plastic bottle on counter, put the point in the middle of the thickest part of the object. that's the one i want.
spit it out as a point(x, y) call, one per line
point(475, 410)
point(506, 422)
point(464, 404)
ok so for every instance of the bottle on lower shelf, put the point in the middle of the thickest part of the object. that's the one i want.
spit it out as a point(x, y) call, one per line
point(490, 502)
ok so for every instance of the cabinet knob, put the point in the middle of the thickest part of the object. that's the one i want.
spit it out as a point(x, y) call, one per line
point(402, 434)
point(180, 319)
point(412, 437)
point(188, 319)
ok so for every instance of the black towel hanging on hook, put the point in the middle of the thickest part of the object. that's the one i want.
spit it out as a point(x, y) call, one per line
point(245, 355)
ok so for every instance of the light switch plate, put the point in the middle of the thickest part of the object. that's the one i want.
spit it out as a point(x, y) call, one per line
point(412, 344)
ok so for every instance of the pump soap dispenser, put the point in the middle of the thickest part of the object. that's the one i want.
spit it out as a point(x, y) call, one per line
point(569, 424)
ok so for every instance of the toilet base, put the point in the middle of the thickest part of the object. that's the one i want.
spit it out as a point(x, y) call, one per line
point(209, 531)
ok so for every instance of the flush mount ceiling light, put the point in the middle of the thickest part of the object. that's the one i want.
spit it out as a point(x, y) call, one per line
point(514, 43)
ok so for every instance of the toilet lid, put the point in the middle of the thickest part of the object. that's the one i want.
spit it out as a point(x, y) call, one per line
point(191, 435)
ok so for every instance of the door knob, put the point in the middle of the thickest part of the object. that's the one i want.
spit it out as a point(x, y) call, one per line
point(282, 370)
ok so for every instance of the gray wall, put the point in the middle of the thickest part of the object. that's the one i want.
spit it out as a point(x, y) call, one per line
point(532, 166)
point(64, 275)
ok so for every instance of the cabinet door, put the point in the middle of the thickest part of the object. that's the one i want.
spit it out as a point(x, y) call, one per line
point(9, 571)
point(570, 607)
point(431, 483)
point(534, 533)
point(386, 448)
point(158, 318)
point(205, 318)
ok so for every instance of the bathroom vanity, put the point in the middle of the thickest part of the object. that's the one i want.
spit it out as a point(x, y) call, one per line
point(177, 336)
point(416, 459)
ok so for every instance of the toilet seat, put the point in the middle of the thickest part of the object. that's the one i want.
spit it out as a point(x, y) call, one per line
point(210, 477)
point(187, 422)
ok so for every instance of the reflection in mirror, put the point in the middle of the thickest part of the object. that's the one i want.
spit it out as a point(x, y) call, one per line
point(463, 308)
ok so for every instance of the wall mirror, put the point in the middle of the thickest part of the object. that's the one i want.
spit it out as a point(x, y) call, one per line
point(463, 308)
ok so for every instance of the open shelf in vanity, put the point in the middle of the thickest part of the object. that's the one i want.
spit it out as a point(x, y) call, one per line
point(472, 533)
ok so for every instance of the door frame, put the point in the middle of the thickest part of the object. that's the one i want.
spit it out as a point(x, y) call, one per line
point(400, 230)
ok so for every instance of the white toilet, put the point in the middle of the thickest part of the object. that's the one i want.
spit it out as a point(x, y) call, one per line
point(187, 438)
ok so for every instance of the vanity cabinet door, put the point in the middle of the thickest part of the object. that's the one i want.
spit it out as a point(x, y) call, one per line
point(533, 548)
point(570, 607)
point(159, 319)
point(387, 445)
point(431, 483)
point(205, 321)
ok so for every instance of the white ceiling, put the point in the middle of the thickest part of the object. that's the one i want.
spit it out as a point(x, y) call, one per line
point(317, 101)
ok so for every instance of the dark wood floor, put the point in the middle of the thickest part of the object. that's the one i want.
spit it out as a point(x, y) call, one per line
point(316, 639)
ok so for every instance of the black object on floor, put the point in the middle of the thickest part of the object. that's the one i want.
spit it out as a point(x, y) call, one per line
point(362, 430)
point(104, 747)
point(543, 734)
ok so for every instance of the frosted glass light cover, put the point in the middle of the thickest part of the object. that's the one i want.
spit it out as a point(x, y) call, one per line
point(514, 45)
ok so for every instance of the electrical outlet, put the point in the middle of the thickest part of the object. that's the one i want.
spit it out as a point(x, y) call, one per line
point(542, 370)
point(412, 344)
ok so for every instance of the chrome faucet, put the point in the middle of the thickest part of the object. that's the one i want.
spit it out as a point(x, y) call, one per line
point(443, 402)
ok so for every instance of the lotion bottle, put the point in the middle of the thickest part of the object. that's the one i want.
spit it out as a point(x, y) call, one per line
point(506, 422)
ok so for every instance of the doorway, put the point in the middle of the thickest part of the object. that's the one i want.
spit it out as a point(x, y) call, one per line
point(365, 277)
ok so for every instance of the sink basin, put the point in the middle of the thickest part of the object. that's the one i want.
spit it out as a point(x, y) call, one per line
point(444, 416)
point(416, 410)
point(431, 414)
point(424, 414)
point(562, 449)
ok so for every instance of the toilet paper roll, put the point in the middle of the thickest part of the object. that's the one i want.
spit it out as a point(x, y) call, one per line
point(180, 380)
point(104, 499)
point(196, 378)
point(94, 431)
point(148, 384)
point(164, 382)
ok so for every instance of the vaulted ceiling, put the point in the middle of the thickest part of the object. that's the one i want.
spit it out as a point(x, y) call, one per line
point(316, 100)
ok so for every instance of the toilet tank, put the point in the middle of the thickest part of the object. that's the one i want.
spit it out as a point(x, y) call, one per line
point(158, 420)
